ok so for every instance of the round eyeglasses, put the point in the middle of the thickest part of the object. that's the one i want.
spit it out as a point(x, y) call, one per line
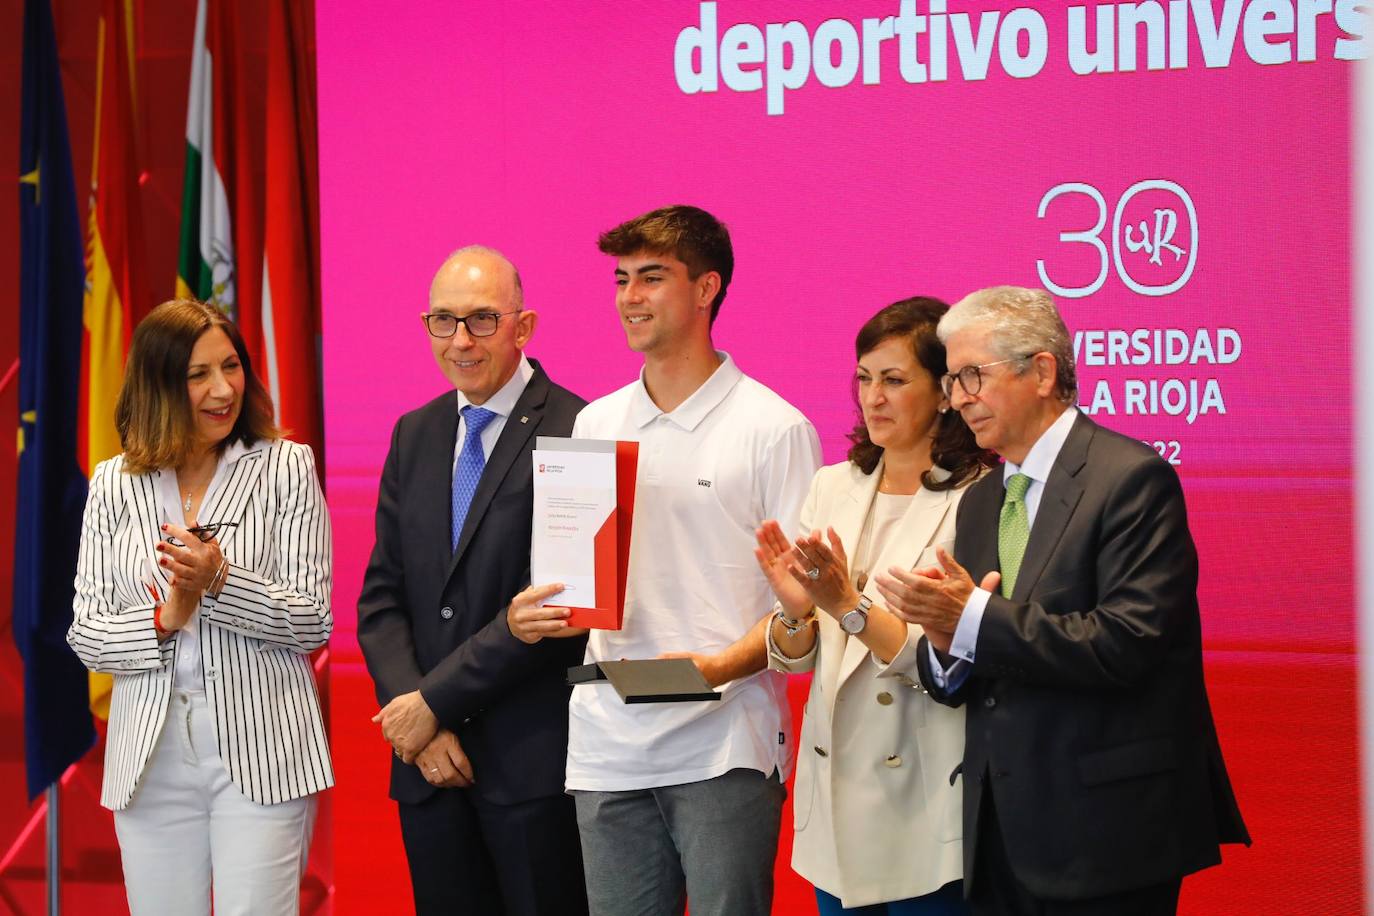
point(971, 377)
point(479, 324)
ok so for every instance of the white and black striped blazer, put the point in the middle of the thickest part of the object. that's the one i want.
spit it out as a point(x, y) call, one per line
point(273, 610)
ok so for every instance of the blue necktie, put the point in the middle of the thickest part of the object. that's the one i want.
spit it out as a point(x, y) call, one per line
point(471, 460)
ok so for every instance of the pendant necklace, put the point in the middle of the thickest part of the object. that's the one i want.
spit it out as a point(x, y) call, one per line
point(190, 492)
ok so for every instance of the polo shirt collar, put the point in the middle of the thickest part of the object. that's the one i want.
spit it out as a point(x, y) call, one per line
point(696, 408)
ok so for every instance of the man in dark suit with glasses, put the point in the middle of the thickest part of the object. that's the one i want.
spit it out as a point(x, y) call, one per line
point(1093, 778)
point(477, 719)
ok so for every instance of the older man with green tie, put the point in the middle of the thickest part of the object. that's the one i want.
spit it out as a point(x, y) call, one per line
point(1093, 779)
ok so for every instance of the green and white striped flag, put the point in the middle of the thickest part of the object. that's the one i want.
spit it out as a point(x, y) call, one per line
point(206, 267)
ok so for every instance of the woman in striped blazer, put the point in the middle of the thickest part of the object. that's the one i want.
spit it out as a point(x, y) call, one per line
point(202, 584)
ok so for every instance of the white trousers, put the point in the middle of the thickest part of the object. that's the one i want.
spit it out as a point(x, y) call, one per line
point(189, 826)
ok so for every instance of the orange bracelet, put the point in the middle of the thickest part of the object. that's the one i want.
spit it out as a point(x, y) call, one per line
point(157, 621)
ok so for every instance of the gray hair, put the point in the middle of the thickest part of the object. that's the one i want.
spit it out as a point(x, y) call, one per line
point(518, 296)
point(1020, 322)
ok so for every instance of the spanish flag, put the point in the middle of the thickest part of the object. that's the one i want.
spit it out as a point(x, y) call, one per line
point(116, 296)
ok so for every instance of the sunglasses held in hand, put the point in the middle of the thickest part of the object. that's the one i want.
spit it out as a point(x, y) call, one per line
point(204, 532)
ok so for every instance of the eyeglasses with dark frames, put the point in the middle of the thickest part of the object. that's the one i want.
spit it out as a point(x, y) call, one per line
point(204, 532)
point(970, 378)
point(479, 324)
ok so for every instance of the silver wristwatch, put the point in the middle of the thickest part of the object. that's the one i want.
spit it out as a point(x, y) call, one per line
point(854, 622)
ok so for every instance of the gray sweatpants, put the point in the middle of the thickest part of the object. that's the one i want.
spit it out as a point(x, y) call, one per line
point(648, 851)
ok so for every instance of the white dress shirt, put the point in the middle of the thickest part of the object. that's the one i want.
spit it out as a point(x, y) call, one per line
point(187, 673)
point(729, 457)
point(501, 403)
point(1037, 466)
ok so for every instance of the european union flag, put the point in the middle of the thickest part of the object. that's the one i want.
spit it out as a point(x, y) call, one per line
point(52, 488)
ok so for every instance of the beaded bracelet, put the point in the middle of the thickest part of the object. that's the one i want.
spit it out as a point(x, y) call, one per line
point(793, 627)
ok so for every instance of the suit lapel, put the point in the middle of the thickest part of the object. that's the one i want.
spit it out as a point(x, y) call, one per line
point(520, 426)
point(975, 537)
point(231, 497)
point(1060, 498)
point(913, 535)
point(847, 518)
point(435, 440)
point(904, 548)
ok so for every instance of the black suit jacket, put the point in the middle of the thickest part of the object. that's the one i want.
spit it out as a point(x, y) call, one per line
point(434, 620)
point(1087, 714)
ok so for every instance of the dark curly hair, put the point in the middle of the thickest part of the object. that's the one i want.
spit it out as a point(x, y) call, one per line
point(954, 448)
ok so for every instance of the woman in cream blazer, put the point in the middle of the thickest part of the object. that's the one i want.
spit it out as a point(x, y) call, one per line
point(202, 583)
point(877, 819)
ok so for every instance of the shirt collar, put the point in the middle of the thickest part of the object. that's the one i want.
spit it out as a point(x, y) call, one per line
point(1042, 455)
point(696, 408)
point(503, 401)
point(166, 485)
point(232, 452)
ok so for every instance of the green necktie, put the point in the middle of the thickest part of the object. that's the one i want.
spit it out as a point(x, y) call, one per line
point(1013, 531)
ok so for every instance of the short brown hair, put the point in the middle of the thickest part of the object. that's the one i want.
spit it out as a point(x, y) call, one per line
point(153, 414)
point(955, 449)
point(690, 234)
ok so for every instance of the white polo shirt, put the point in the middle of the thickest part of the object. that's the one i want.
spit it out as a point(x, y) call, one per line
point(729, 457)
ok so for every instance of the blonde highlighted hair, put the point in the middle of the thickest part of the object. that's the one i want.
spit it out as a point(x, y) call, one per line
point(153, 414)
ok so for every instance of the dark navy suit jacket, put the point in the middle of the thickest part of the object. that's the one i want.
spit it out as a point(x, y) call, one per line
point(1087, 715)
point(434, 620)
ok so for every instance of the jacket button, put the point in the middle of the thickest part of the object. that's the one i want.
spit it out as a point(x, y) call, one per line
point(884, 699)
point(821, 751)
point(446, 613)
point(990, 702)
point(893, 762)
point(212, 673)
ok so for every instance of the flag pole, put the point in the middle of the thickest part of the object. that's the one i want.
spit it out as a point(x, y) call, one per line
point(54, 852)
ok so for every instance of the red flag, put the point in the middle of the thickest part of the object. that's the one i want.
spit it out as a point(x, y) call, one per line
point(290, 314)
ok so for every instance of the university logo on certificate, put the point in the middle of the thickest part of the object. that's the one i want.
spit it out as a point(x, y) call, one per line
point(584, 494)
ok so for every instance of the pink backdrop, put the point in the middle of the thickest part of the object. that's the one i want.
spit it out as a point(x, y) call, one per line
point(534, 127)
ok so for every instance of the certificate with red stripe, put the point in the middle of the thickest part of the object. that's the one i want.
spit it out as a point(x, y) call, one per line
point(584, 494)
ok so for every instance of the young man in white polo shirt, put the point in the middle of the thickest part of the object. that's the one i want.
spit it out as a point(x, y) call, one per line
point(682, 800)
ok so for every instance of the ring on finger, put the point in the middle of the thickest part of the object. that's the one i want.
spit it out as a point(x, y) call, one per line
point(813, 573)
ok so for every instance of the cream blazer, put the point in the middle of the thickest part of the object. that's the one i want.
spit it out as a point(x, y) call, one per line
point(875, 814)
point(254, 639)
